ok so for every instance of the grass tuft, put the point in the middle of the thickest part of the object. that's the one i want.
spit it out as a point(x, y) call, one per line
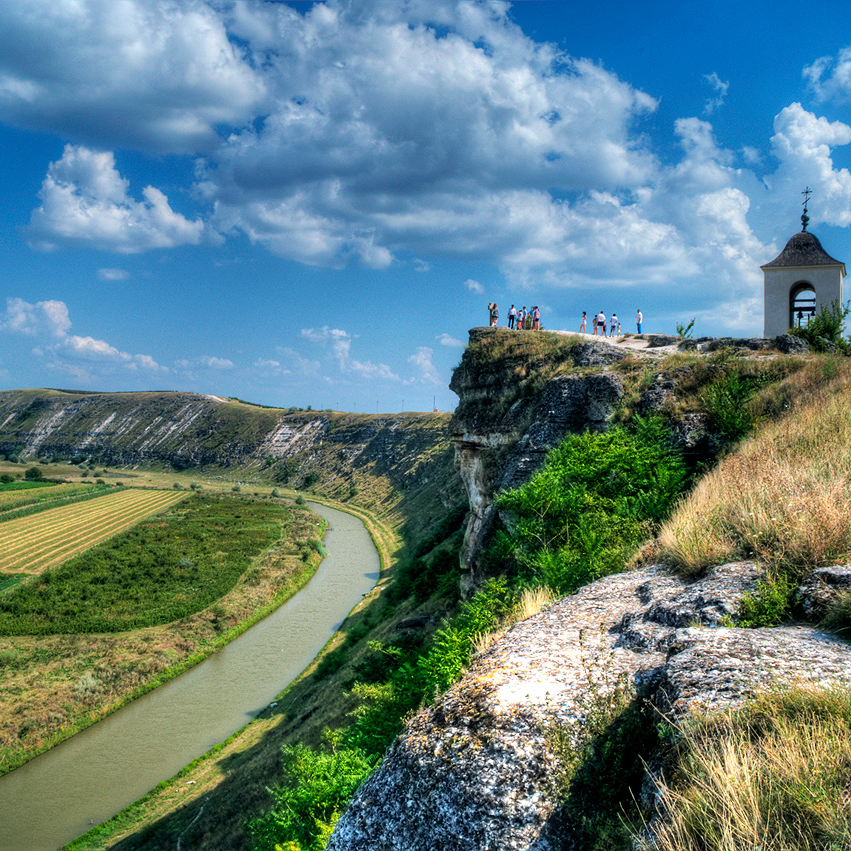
point(773, 776)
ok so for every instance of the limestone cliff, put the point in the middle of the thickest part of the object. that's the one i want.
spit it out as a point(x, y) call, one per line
point(384, 456)
point(517, 406)
point(477, 770)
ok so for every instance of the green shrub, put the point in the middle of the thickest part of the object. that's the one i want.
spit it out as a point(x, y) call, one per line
point(826, 329)
point(685, 330)
point(769, 604)
point(284, 472)
point(838, 615)
point(315, 787)
point(33, 474)
point(726, 402)
point(310, 479)
point(596, 499)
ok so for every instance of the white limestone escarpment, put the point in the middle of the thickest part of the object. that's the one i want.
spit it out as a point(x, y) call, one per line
point(189, 430)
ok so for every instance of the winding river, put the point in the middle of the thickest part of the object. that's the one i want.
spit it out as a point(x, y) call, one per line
point(88, 778)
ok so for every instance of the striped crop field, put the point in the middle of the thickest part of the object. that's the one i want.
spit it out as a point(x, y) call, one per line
point(31, 544)
point(10, 499)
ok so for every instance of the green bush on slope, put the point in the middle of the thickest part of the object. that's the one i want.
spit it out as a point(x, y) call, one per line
point(314, 789)
point(597, 498)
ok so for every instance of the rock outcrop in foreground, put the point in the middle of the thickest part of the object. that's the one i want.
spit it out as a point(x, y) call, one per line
point(475, 772)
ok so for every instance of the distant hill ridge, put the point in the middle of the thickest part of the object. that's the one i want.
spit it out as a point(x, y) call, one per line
point(189, 430)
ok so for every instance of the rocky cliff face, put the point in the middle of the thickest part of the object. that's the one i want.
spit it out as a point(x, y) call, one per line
point(503, 429)
point(403, 452)
point(477, 771)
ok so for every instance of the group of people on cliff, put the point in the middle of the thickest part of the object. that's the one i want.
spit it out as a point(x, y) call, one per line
point(531, 320)
point(599, 324)
point(519, 320)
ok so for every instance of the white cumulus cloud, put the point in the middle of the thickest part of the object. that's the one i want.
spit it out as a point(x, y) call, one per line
point(160, 76)
point(204, 362)
point(829, 77)
point(447, 340)
point(803, 144)
point(84, 200)
point(424, 368)
point(113, 274)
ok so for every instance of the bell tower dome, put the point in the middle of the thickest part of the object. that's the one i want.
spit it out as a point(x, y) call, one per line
point(802, 279)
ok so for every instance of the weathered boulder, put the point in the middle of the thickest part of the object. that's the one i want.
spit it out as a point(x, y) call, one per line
point(475, 772)
point(596, 354)
point(789, 344)
point(820, 589)
point(657, 396)
point(655, 341)
point(717, 669)
point(755, 344)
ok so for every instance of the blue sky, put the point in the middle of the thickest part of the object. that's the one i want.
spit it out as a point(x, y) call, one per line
point(310, 204)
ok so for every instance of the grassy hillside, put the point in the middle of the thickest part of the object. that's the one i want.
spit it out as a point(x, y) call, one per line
point(414, 633)
point(398, 465)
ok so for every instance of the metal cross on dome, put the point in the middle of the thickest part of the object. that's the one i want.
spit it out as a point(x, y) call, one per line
point(805, 218)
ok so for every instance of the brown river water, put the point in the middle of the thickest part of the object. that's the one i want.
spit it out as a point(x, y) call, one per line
point(88, 778)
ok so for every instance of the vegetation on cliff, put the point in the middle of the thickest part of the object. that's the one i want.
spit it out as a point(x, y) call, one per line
point(598, 497)
point(773, 775)
point(782, 497)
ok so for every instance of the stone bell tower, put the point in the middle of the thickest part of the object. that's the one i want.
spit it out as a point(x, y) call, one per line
point(801, 280)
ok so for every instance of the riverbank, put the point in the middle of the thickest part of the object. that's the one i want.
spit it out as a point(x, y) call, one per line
point(56, 686)
point(230, 780)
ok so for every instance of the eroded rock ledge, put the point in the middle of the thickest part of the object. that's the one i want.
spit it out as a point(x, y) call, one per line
point(474, 772)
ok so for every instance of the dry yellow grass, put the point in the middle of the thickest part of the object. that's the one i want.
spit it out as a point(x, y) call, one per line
point(774, 777)
point(32, 544)
point(783, 496)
